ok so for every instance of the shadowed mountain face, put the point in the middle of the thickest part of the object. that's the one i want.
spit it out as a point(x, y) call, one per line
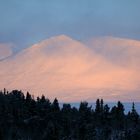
point(5, 50)
point(72, 71)
point(124, 52)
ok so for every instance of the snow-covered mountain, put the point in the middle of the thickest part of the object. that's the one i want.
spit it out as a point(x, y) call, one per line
point(72, 71)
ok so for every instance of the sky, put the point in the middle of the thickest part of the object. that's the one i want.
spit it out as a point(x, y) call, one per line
point(25, 22)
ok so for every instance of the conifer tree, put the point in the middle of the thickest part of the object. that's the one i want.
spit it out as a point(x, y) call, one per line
point(98, 106)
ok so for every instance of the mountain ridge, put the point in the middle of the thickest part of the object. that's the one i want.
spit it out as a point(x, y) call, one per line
point(63, 66)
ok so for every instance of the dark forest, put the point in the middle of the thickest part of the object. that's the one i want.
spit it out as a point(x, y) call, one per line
point(24, 118)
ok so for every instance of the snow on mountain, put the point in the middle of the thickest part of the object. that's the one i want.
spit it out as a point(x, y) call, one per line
point(5, 50)
point(124, 52)
point(65, 68)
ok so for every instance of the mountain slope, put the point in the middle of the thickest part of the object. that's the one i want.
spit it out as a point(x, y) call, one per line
point(124, 52)
point(5, 50)
point(65, 68)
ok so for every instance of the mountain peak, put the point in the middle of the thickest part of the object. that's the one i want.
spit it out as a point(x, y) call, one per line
point(60, 41)
point(61, 37)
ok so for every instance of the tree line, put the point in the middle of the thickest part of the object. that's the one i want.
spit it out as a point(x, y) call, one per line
point(24, 118)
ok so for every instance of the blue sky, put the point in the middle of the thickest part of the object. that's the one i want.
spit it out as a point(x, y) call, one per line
point(24, 22)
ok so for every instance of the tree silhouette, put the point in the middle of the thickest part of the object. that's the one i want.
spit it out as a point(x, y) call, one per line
point(23, 118)
point(98, 106)
point(55, 105)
